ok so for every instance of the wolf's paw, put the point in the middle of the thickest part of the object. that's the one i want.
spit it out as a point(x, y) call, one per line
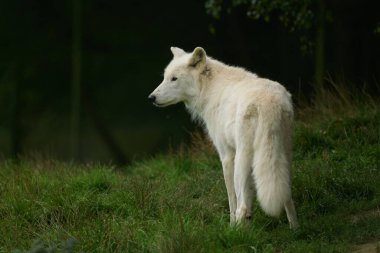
point(243, 215)
point(294, 225)
point(232, 219)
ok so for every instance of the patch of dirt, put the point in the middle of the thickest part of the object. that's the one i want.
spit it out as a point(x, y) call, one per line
point(374, 213)
point(367, 248)
point(373, 247)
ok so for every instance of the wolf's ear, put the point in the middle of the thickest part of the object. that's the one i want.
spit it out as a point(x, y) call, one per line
point(198, 57)
point(177, 51)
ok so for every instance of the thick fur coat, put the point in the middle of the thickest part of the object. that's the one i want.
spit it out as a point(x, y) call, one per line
point(250, 121)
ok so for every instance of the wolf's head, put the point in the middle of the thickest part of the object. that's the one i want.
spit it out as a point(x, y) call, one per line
point(181, 78)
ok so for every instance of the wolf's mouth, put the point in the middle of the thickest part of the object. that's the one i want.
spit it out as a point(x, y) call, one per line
point(163, 104)
point(160, 105)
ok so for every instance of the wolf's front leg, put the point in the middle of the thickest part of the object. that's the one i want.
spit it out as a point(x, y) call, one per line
point(228, 172)
point(243, 184)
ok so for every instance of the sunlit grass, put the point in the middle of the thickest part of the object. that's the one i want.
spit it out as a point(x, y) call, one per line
point(178, 203)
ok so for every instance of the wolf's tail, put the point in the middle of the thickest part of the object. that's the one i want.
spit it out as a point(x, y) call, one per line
point(272, 160)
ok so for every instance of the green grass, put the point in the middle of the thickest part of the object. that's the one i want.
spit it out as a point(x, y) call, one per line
point(178, 202)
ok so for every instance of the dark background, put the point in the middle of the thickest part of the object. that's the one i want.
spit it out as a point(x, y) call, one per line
point(124, 48)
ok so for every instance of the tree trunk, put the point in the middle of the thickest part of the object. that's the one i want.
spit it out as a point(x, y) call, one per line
point(15, 129)
point(320, 48)
point(76, 82)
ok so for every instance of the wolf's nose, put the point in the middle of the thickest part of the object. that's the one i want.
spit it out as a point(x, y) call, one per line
point(152, 98)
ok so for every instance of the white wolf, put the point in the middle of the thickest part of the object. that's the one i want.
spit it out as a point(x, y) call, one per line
point(249, 120)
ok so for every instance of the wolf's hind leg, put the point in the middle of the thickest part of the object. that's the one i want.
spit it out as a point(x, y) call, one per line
point(291, 214)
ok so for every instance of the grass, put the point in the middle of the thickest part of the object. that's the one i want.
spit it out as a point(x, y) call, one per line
point(178, 203)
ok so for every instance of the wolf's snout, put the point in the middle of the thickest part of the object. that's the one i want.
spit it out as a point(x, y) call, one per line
point(152, 98)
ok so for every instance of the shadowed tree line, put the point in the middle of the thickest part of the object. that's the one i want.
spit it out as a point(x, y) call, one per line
point(74, 75)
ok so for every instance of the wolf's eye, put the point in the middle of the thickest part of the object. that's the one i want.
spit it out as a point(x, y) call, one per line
point(174, 78)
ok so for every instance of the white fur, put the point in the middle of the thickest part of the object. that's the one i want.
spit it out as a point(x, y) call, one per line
point(249, 120)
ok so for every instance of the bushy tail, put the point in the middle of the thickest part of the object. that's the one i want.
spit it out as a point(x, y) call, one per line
point(272, 158)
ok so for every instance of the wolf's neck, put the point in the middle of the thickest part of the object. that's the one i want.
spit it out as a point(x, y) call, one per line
point(214, 82)
point(204, 105)
point(197, 108)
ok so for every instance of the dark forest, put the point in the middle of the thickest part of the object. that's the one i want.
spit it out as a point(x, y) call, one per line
point(75, 75)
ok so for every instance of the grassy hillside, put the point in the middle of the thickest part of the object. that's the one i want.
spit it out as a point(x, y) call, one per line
point(178, 202)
